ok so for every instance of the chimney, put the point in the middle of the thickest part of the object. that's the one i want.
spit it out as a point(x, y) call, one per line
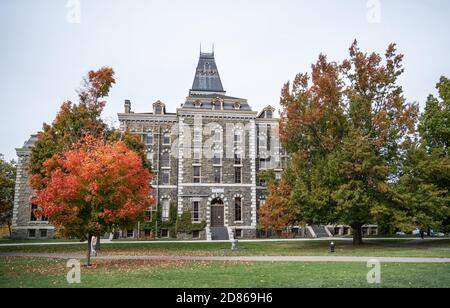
point(127, 106)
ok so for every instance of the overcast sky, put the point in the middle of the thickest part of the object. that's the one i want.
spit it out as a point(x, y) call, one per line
point(46, 47)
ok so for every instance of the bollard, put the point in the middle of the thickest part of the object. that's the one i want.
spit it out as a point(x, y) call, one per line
point(332, 246)
point(233, 244)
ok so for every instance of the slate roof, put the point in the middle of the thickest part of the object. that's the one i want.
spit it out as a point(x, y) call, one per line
point(207, 87)
point(207, 77)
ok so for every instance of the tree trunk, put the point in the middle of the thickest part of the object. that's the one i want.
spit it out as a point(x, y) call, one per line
point(9, 229)
point(357, 234)
point(89, 250)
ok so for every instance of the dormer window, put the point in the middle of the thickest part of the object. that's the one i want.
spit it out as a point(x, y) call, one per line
point(159, 108)
point(237, 106)
point(217, 104)
point(197, 104)
point(267, 113)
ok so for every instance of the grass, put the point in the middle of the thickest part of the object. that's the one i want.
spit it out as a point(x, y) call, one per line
point(378, 248)
point(25, 272)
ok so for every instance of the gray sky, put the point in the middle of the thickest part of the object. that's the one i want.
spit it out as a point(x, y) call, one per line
point(153, 47)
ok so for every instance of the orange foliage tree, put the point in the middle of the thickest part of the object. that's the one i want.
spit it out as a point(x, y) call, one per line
point(94, 187)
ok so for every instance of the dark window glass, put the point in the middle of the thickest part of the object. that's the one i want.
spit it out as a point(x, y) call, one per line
point(237, 209)
point(238, 175)
point(196, 174)
point(217, 174)
point(195, 211)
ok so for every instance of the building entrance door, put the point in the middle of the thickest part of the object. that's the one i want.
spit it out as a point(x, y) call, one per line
point(217, 213)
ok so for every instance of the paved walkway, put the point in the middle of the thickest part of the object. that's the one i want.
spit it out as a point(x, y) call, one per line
point(106, 242)
point(237, 258)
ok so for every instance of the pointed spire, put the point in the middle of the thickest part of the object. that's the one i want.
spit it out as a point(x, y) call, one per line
point(207, 77)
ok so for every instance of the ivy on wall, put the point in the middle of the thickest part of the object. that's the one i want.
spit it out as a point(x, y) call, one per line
point(175, 225)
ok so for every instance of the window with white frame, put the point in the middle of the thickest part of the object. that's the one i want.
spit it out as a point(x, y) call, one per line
point(237, 158)
point(217, 158)
point(196, 174)
point(217, 136)
point(165, 177)
point(197, 155)
point(165, 213)
point(150, 157)
point(166, 138)
point(237, 137)
point(148, 138)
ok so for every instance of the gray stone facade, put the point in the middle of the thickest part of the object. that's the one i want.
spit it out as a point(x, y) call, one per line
point(24, 224)
point(205, 157)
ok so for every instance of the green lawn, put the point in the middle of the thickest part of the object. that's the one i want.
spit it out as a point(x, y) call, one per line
point(379, 248)
point(25, 272)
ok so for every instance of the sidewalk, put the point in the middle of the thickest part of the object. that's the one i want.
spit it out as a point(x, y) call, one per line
point(237, 258)
point(335, 239)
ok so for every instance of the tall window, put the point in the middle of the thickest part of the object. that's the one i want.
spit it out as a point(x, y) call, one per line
point(165, 160)
point(197, 144)
point(148, 138)
point(34, 208)
point(238, 209)
point(165, 213)
point(197, 155)
point(269, 137)
point(237, 158)
point(217, 158)
point(196, 174)
point(165, 177)
point(217, 174)
point(195, 211)
point(238, 175)
point(217, 136)
point(34, 216)
point(166, 138)
point(237, 137)
point(148, 215)
point(150, 157)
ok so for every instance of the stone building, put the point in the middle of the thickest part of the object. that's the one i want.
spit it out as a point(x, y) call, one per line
point(205, 156)
point(24, 223)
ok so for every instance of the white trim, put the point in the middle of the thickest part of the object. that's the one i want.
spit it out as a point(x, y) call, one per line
point(215, 185)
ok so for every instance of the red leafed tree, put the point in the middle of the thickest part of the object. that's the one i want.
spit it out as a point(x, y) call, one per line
point(93, 188)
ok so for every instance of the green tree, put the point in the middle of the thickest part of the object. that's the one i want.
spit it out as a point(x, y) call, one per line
point(345, 132)
point(422, 192)
point(7, 188)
